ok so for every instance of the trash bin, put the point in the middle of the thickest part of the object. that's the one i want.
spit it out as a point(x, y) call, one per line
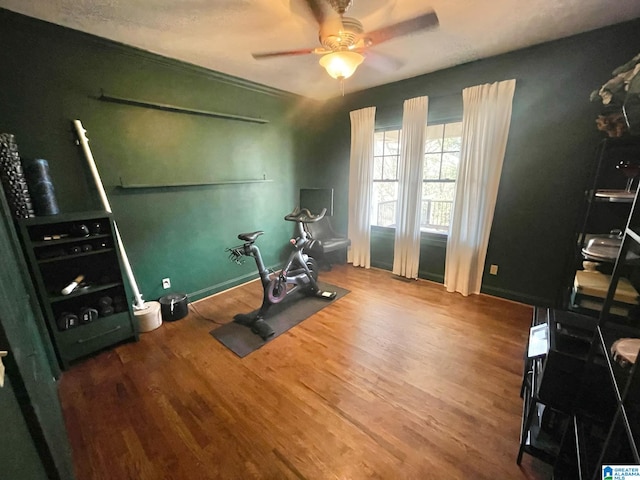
point(174, 306)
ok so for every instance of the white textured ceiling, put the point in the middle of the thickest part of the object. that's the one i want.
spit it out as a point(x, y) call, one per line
point(222, 34)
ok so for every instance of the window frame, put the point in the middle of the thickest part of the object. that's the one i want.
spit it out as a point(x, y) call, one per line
point(424, 234)
point(442, 152)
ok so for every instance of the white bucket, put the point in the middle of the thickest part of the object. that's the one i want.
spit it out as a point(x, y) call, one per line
point(149, 318)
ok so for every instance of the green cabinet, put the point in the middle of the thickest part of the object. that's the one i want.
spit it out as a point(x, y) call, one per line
point(78, 248)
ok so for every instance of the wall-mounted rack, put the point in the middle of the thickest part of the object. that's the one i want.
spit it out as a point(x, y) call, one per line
point(125, 185)
point(172, 108)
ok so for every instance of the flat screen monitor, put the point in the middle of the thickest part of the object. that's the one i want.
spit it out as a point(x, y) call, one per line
point(315, 199)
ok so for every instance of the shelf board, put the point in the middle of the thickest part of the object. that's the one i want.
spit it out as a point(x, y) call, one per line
point(75, 255)
point(66, 240)
point(84, 291)
point(126, 185)
point(65, 217)
point(614, 196)
point(176, 109)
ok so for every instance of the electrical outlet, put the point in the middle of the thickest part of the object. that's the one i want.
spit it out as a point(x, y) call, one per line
point(493, 269)
point(166, 283)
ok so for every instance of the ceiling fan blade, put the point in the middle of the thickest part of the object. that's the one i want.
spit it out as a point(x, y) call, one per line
point(422, 22)
point(302, 51)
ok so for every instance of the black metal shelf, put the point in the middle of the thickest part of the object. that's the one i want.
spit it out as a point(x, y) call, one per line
point(621, 433)
point(605, 413)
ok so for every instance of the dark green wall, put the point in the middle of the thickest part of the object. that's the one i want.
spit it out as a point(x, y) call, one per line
point(51, 75)
point(549, 153)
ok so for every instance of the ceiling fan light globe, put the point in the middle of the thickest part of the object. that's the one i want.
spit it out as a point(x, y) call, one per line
point(341, 64)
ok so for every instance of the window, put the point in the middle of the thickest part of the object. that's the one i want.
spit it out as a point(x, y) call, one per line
point(385, 178)
point(441, 159)
point(440, 170)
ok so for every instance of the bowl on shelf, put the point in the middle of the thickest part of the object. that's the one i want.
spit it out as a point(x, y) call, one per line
point(603, 247)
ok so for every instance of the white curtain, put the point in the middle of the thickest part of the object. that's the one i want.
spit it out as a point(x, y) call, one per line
point(406, 252)
point(485, 128)
point(360, 185)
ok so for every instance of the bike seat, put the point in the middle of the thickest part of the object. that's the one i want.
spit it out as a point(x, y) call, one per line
point(251, 236)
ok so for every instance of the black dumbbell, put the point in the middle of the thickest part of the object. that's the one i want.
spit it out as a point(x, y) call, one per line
point(67, 320)
point(104, 302)
point(88, 314)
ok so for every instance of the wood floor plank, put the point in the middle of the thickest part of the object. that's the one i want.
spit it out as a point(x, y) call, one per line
point(398, 379)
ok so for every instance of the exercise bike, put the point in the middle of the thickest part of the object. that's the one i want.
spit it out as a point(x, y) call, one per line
point(299, 272)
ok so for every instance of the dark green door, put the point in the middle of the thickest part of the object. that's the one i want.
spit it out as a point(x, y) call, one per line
point(19, 457)
point(28, 364)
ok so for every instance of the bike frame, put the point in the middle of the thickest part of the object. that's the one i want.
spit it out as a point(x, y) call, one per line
point(295, 271)
point(291, 270)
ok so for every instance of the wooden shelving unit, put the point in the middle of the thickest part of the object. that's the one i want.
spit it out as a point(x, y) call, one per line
point(58, 250)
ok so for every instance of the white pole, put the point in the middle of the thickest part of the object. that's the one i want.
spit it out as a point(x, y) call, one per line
point(84, 143)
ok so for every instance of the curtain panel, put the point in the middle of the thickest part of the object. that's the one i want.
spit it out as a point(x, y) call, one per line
point(360, 186)
point(406, 253)
point(485, 127)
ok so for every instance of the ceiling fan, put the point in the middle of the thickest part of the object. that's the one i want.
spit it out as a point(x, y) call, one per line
point(343, 39)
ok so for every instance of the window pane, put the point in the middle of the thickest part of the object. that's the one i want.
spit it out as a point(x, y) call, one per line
point(436, 215)
point(390, 169)
point(440, 191)
point(391, 142)
point(453, 129)
point(437, 204)
point(450, 163)
point(383, 204)
point(431, 166)
point(434, 132)
point(377, 168)
point(434, 138)
point(378, 143)
point(452, 137)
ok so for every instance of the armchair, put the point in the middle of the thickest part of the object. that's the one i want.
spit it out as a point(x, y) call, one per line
point(327, 244)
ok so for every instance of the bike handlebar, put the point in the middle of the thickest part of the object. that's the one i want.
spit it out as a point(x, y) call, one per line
point(304, 216)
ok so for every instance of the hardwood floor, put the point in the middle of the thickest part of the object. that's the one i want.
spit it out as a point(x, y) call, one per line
point(397, 380)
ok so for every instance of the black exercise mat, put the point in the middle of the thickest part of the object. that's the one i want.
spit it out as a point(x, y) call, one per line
point(291, 311)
